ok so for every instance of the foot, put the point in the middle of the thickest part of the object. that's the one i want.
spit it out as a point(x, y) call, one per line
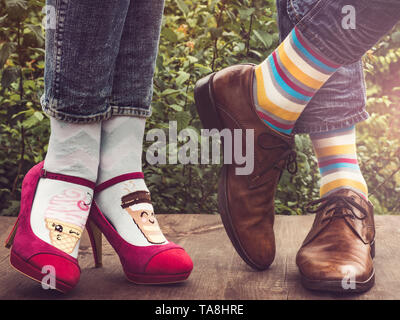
point(47, 233)
point(125, 202)
point(246, 202)
point(127, 219)
point(338, 251)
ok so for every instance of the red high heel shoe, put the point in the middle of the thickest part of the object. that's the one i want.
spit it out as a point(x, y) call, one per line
point(29, 254)
point(155, 264)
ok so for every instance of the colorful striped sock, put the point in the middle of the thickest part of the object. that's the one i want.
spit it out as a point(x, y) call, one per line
point(337, 161)
point(287, 80)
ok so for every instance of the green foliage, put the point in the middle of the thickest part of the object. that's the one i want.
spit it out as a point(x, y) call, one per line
point(24, 129)
point(197, 38)
point(379, 136)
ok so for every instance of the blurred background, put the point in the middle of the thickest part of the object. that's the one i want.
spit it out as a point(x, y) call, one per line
point(197, 38)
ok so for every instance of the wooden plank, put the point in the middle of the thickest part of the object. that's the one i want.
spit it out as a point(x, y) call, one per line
point(219, 273)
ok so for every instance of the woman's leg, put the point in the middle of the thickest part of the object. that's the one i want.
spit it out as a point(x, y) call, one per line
point(81, 51)
point(127, 204)
point(122, 135)
point(80, 59)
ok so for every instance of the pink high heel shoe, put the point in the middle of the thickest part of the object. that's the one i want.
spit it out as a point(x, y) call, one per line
point(155, 264)
point(29, 254)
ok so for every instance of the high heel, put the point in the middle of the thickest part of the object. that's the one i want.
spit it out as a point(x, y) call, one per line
point(11, 236)
point(95, 237)
point(155, 264)
point(29, 254)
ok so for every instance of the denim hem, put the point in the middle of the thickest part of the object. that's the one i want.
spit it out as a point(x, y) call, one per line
point(48, 108)
point(131, 111)
point(326, 126)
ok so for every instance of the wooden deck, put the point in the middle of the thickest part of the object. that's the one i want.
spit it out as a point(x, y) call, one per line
point(218, 272)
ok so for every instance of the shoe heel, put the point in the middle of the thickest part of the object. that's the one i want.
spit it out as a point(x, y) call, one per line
point(95, 237)
point(205, 105)
point(373, 250)
point(10, 239)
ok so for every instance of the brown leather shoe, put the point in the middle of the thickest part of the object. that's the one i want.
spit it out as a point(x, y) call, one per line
point(337, 253)
point(246, 202)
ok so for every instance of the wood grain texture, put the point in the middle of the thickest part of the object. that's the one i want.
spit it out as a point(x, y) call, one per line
point(218, 273)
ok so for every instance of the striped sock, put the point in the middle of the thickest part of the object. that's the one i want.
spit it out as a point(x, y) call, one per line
point(337, 161)
point(287, 80)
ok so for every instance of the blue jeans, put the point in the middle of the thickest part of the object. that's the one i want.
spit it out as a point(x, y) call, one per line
point(322, 25)
point(100, 59)
point(340, 103)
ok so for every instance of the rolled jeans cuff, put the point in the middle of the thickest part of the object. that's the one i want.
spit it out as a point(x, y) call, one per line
point(48, 107)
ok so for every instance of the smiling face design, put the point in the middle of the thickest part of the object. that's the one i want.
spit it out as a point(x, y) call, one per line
point(139, 207)
point(148, 225)
point(63, 236)
point(65, 217)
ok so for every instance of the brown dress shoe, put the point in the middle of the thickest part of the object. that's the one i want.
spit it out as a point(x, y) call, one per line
point(338, 251)
point(224, 100)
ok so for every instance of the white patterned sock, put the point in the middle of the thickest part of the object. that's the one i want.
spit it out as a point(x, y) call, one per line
point(60, 209)
point(74, 149)
point(126, 204)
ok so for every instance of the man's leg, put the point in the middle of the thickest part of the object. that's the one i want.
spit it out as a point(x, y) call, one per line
point(337, 162)
point(285, 83)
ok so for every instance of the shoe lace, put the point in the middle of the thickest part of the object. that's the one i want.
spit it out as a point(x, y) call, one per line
point(339, 203)
point(289, 155)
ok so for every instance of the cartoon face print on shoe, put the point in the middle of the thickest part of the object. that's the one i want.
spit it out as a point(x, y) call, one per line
point(138, 206)
point(65, 218)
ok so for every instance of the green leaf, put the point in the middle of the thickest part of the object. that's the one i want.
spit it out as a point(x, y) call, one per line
point(39, 115)
point(182, 78)
point(169, 91)
point(10, 74)
point(21, 3)
point(264, 37)
point(182, 6)
point(169, 35)
point(183, 119)
point(3, 18)
point(176, 107)
point(6, 50)
point(246, 13)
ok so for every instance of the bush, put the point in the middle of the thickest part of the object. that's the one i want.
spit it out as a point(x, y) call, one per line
point(197, 38)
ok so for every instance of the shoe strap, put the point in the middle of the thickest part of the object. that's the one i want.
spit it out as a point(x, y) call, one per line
point(118, 179)
point(63, 177)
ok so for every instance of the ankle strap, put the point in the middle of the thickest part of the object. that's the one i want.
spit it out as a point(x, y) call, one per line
point(118, 179)
point(63, 177)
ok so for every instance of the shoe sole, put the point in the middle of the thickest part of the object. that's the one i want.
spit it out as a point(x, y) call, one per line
point(34, 273)
point(210, 119)
point(336, 286)
point(157, 279)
